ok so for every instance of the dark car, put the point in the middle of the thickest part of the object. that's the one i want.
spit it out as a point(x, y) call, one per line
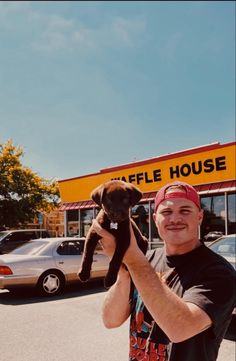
point(10, 240)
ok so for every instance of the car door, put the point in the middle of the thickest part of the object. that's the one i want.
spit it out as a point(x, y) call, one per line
point(68, 257)
point(100, 263)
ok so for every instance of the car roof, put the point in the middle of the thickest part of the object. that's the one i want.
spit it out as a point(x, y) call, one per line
point(226, 236)
point(58, 239)
point(23, 230)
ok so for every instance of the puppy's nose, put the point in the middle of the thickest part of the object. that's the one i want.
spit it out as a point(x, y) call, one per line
point(119, 215)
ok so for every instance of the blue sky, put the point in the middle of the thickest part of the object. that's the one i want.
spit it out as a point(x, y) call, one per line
point(89, 85)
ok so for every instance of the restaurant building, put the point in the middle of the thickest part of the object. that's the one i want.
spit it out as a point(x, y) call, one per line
point(209, 168)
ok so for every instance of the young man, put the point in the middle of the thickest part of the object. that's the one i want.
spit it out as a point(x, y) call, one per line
point(183, 293)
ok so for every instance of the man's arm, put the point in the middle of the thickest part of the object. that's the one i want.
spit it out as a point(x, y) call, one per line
point(116, 306)
point(178, 319)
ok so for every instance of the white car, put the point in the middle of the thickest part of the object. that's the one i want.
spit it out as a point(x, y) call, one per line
point(48, 264)
point(226, 247)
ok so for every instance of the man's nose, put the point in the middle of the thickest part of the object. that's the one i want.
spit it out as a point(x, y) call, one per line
point(176, 217)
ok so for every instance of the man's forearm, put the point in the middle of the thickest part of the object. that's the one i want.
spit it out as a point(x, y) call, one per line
point(116, 306)
point(176, 318)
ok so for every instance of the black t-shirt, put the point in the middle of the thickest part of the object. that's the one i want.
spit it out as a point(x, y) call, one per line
point(201, 277)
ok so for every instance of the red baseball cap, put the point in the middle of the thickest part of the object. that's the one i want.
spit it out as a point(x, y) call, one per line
point(190, 193)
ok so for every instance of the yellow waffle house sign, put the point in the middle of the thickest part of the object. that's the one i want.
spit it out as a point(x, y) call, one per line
point(213, 163)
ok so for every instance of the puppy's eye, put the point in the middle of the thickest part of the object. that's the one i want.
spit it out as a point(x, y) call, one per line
point(109, 201)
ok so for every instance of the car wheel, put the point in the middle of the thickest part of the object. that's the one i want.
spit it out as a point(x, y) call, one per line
point(51, 283)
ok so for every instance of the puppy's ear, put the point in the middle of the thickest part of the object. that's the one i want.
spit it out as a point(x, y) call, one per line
point(97, 194)
point(135, 194)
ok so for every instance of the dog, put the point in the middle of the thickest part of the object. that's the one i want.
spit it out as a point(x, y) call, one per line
point(115, 199)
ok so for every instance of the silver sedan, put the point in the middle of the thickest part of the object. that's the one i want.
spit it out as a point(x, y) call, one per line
point(48, 264)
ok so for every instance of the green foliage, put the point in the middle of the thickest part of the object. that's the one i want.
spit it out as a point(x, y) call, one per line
point(22, 192)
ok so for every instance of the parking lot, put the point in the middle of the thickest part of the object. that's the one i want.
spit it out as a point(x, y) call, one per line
point(68, 327)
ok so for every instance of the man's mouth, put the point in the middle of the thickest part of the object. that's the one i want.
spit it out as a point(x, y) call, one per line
point(175, 228)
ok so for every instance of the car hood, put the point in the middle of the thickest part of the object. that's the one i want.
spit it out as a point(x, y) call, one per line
point(231, 260)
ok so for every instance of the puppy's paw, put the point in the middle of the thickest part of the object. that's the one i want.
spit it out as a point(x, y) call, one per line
point(84, 276)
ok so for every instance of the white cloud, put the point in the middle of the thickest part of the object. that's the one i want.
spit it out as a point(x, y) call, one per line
point(56, 34)
point(50, 32)
point(61, 33)
point(119, 32)
point(7, 7)
point(58, 22)
point(127, 30)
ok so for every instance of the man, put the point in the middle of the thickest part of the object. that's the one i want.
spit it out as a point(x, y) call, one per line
point(183, 293)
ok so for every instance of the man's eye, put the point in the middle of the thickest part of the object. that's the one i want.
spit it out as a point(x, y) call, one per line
point(185, 211)
point(165, 213)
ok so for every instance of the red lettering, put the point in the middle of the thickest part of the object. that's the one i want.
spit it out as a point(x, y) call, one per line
point(132, 352)
point(133, 341)
point(153, 357)
point(161, 349)
point(152, 348)
point(155, 354)
point(140, 355)
point(141, 342)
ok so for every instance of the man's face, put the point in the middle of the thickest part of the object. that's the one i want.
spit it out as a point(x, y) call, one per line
point(177, 220)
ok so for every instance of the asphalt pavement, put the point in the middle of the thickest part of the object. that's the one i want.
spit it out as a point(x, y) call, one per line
point(67, 328)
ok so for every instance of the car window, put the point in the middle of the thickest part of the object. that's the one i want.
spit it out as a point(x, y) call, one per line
point(69, 248)
point(3, 234)
point(29, 248)
point(42, 234)
point(24, 236)
point(20, 236)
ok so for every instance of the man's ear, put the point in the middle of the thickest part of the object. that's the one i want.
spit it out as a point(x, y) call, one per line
point(97, 194)
point(201, 214)
point(154, 217)
point(135, 194)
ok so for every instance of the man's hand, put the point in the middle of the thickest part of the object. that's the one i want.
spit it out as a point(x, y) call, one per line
point(133, 251)
point(107, 241)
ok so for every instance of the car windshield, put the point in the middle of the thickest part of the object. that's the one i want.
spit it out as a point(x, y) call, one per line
point(31, 248)
point(225, 246)
point(3, 234)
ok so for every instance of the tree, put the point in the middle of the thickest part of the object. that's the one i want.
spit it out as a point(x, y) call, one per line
point(23, 194)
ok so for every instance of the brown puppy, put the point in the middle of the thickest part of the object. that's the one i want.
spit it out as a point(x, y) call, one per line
point(115, 198)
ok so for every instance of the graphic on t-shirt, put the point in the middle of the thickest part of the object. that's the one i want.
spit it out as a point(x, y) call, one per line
point(142, 346)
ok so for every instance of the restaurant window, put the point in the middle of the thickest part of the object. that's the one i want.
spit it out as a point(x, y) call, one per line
point(72, 222)
point(155, 237)
point(86, 217)
point(140, 214)
point(214, 214)
point(231, 213)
